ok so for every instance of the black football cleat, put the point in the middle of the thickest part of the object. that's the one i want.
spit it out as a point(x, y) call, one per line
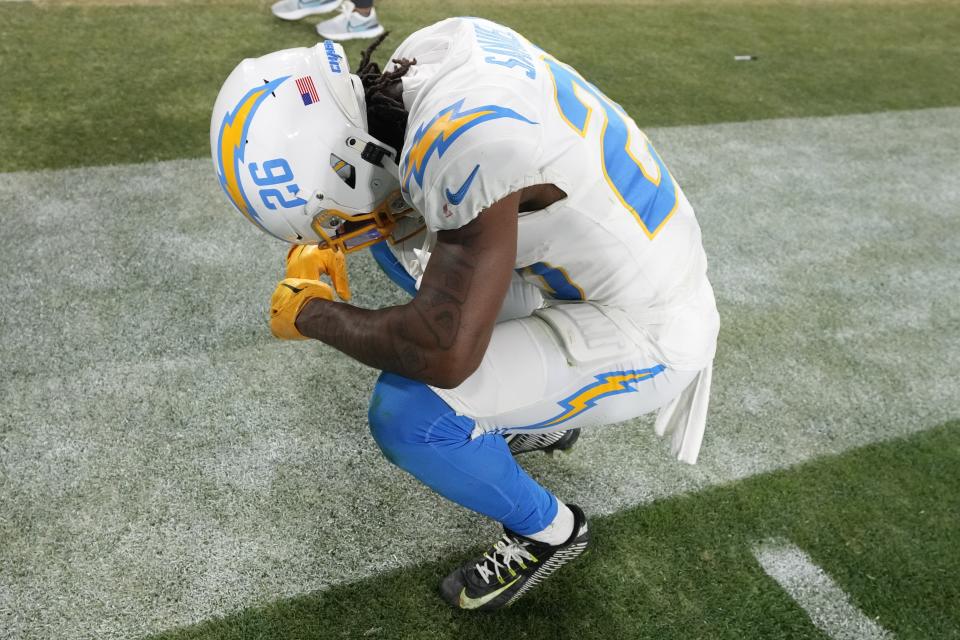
point(549, 443)
point(512, 567)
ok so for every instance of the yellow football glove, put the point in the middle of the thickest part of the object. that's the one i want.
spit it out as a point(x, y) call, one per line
point(288, 300)
point(310, 262)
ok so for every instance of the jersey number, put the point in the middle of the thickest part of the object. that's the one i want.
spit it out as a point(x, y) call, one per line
point(646, 189)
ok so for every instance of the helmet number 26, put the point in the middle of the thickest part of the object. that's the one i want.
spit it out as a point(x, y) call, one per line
point(274, 173)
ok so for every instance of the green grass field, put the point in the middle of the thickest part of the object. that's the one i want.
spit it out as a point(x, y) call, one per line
point(876, 519)
point(169, 470)
point(90, 85)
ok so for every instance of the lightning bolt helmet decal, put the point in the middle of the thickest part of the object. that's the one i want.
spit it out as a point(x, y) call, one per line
point(232, 142)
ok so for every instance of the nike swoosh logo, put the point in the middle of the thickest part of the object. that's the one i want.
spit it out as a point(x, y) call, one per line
point(466, 602)
point(457, 198)
point(292, 288)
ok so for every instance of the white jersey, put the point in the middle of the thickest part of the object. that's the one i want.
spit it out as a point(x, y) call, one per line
point(489, 114)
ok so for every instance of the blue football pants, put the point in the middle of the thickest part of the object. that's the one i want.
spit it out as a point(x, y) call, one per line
point(421, 434)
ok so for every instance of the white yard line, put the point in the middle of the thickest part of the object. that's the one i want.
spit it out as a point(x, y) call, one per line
point(163, 459)
point(828, 606)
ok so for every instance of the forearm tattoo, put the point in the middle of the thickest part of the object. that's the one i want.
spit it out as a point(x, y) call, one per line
point(417, 340)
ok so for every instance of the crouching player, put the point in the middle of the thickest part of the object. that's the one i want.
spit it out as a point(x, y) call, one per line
point(557, 274)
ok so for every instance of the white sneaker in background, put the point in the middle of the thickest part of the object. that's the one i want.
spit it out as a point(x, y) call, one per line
point(296, 9)
point(350, 25)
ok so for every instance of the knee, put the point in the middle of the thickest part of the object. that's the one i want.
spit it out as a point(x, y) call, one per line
point(397, 415)
point(408, 420)
point(384, 415)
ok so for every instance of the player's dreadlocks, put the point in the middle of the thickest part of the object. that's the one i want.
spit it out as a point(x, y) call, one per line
point(386, 115)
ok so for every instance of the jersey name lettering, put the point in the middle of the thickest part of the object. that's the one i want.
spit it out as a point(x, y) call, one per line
point(507, 49)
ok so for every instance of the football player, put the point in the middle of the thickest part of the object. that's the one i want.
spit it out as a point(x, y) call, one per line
point(556, 268)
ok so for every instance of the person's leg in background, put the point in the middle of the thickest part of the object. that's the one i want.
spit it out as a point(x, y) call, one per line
point(296, 9)
point(358, 19)
point(363, 7)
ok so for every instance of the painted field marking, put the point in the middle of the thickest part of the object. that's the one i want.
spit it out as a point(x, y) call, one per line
point(182, 430)
point(828, 606)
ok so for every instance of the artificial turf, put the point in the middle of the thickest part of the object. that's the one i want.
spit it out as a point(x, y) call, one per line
point(88, 85)
point(882, 521)
point(164, 460)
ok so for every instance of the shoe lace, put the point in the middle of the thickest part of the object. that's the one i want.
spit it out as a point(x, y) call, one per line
point(505, 551)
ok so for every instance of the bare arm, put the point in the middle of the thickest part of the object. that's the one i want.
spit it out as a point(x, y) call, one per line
point(440, 336)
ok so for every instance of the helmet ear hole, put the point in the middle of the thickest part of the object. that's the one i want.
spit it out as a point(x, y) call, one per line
point(344, 169)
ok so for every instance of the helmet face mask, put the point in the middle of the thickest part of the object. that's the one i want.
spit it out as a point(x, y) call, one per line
point(346, 232)
point(292, 153)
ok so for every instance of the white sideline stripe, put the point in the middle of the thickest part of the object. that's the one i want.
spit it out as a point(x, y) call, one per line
point(828, 606)
point(164, 460)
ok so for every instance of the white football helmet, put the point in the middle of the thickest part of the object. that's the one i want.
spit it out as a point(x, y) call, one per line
point(291, 149)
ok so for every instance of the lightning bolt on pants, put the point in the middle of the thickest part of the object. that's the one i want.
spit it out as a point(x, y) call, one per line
point(421, 434)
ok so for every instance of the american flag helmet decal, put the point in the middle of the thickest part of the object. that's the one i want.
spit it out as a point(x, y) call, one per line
point(308, 92)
